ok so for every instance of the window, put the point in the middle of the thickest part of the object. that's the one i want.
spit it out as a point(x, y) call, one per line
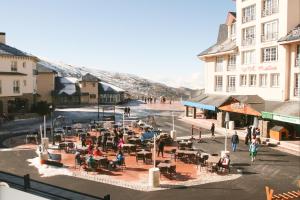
point(0, 87)
point(24, 83)
point(16, 87)
point(92, 96)
point(269, 7)
point(274, 80)
point(263, 80)
point(248, 57)
point(218, 83)
point(14, 66)
point(270, 31)
point(34, 72)
point(297, 63)
point(219, 64)
point(269, 54)
point(231, 62)
point(248, 36)
point(297, 85)
point(233, 30)
point(248, 14)
point(24, 64)
point(252, 80)
point(243, 80)
point(230, 83)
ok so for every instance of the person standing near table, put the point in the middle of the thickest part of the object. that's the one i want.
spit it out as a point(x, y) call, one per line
point(234, 141)
point(161, 146)
point(212, 129)
point(248, 135)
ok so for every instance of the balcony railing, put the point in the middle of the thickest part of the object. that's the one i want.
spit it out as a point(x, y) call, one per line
point(231, 67)
point(231, 89)
point(248, 18)
point(218, 89)
point(269, 37)
point(297, 62)
point(296, 92)
point(269, 11)
point(248, 41)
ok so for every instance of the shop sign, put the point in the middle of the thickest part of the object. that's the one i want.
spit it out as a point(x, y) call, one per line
point(293, 120)
point(237, 106)
point(261, 68)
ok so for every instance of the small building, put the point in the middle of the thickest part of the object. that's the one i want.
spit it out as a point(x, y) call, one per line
point(45, 82)
point(279, 133)
point(89, 89)
point(110, 94)
point(67, 91)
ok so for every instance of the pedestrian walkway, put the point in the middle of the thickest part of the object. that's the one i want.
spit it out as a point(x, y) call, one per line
point(292, 147)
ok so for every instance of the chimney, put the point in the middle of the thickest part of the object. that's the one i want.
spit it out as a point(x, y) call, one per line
point(2, 37)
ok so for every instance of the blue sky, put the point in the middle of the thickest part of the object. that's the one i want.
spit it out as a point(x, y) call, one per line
point(156, 39)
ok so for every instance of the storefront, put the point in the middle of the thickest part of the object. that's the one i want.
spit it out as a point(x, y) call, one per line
point(205, 106)
point(242, 109)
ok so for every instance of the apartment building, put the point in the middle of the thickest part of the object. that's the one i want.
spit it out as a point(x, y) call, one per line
point(254, 66)
point(17, 79)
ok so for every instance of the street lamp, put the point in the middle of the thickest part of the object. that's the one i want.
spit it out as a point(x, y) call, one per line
point(51, 112)
point(53, 126)
point(226, 124)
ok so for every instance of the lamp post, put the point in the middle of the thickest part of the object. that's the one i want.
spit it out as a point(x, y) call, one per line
point(226, 124)
point(51, 114)
point(98, 107)
point(53, 126)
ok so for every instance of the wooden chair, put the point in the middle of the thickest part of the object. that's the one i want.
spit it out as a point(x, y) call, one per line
point(139, 157)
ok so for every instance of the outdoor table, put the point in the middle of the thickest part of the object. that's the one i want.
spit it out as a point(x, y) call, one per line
point(144, 154)
point(129, 147)
point(134, 140)
point(82, 150)
point(185, 144)
point(213, 159)
point(165, 167)
point(101, 160)
point(187, 154)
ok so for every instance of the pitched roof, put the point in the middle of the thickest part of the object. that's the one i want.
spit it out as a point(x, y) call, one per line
point(66, 85)
point(109, 88)
point(89, 77)
point(43, 69)
point(292, 35)
point(223, 44)
point(11, 51)
point(288, 108)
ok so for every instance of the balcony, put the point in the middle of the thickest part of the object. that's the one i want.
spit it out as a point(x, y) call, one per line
point(246, 19)
point(269, 37)
point(230, 89)
point(296, 92)
point(248, 42)
point(269, 11)
point(231, 67)
point(297, 62)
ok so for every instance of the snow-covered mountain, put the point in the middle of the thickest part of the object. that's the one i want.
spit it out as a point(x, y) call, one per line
point(133, 84)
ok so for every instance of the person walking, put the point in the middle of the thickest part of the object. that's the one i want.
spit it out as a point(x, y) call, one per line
point(248, 135)
point(253, 149)
point(212, 129)
point(161, 146)
point(234, 141)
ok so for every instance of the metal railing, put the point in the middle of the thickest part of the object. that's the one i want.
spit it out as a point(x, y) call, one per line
point(248, 41)
point(29, 185)
point(269, 37)
point(297, 62)
point(296, 92)
point(246, 19)
point(270, 10)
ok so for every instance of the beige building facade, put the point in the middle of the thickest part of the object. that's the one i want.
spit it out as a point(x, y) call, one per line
point(45, 84)
point(89, 89)
point(17, 78)
point(253, 61)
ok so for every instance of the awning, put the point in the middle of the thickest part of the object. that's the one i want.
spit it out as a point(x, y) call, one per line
point(199, 105)
point(207, 102)
point(244, 104)
point(280, 117)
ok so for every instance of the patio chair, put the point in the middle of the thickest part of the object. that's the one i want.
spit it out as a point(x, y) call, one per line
point(148, 158)
point(200, 163)
point(172, 170)
point(139, 157)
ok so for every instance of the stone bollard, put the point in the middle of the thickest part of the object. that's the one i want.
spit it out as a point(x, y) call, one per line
point(154, 175)
point(173, 134)
point(45, 142)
